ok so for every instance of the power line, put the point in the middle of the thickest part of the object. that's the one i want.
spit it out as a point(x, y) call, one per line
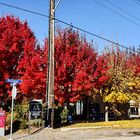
point(56, 6)
point(25, 10)
point(113, 11)
point(137, 2)
point(76, 27)
point(122, 10)
point(100, 37)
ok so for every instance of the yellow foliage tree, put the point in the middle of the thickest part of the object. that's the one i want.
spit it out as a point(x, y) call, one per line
point(124, 84)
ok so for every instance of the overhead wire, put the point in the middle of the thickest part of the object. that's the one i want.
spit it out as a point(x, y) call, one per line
point(114, 5)
point(23, 9)
point(69, 24)
point(136, 2)
point(117, 13)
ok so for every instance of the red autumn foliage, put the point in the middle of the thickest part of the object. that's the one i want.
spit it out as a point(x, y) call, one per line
point(33, 71)
point(137, 69)
point(78, 69)
point(134, 64)
point(15, 40)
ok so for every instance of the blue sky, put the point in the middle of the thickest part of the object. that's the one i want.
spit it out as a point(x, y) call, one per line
point(86, 14)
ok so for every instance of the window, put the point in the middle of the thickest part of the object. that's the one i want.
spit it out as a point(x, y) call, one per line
point(134, 111)
point(79, 108)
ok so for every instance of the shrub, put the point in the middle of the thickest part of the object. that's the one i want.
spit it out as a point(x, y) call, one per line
point(21, 114)
point(64, 115)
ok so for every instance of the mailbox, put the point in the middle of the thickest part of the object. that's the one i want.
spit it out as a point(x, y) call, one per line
point(2, 122)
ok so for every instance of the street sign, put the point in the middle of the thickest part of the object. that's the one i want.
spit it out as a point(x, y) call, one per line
point(14, 91)
point(14, 81)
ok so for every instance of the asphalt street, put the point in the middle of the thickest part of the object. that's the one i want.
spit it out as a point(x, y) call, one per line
point(79, 134)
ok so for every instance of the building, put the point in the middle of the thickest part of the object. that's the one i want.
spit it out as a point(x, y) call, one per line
point(134, 109)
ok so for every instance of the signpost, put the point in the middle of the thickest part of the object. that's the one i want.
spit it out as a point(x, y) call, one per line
point(13, 82)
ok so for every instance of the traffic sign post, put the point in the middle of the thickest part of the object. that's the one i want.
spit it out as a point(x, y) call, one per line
point(12, 113)
point(13, 82)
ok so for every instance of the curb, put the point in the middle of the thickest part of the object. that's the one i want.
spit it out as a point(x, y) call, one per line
point(79, 128)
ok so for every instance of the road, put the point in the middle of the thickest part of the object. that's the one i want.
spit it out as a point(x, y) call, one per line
point(82, 134)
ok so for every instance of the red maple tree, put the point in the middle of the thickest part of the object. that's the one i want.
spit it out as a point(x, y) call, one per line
point(78, 69)
point(15, 40)
point(33, 71)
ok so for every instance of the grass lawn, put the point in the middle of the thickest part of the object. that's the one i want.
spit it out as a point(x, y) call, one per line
point(113, 124)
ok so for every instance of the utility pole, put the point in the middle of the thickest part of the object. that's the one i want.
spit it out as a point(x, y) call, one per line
point(50, 78)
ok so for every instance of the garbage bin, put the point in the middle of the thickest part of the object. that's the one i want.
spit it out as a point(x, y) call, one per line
point(70, 119)
point(2, 122)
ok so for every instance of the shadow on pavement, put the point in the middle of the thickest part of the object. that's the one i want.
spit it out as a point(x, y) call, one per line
point(16, 125)
point(135, 133)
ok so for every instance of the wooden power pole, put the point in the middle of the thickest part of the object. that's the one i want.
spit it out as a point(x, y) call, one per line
point(50, 79)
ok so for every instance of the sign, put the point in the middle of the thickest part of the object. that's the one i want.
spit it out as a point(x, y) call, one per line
point(2, 122)
point(14, 81)
point(2, 119)
point(36, 109)
point(14, 91)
